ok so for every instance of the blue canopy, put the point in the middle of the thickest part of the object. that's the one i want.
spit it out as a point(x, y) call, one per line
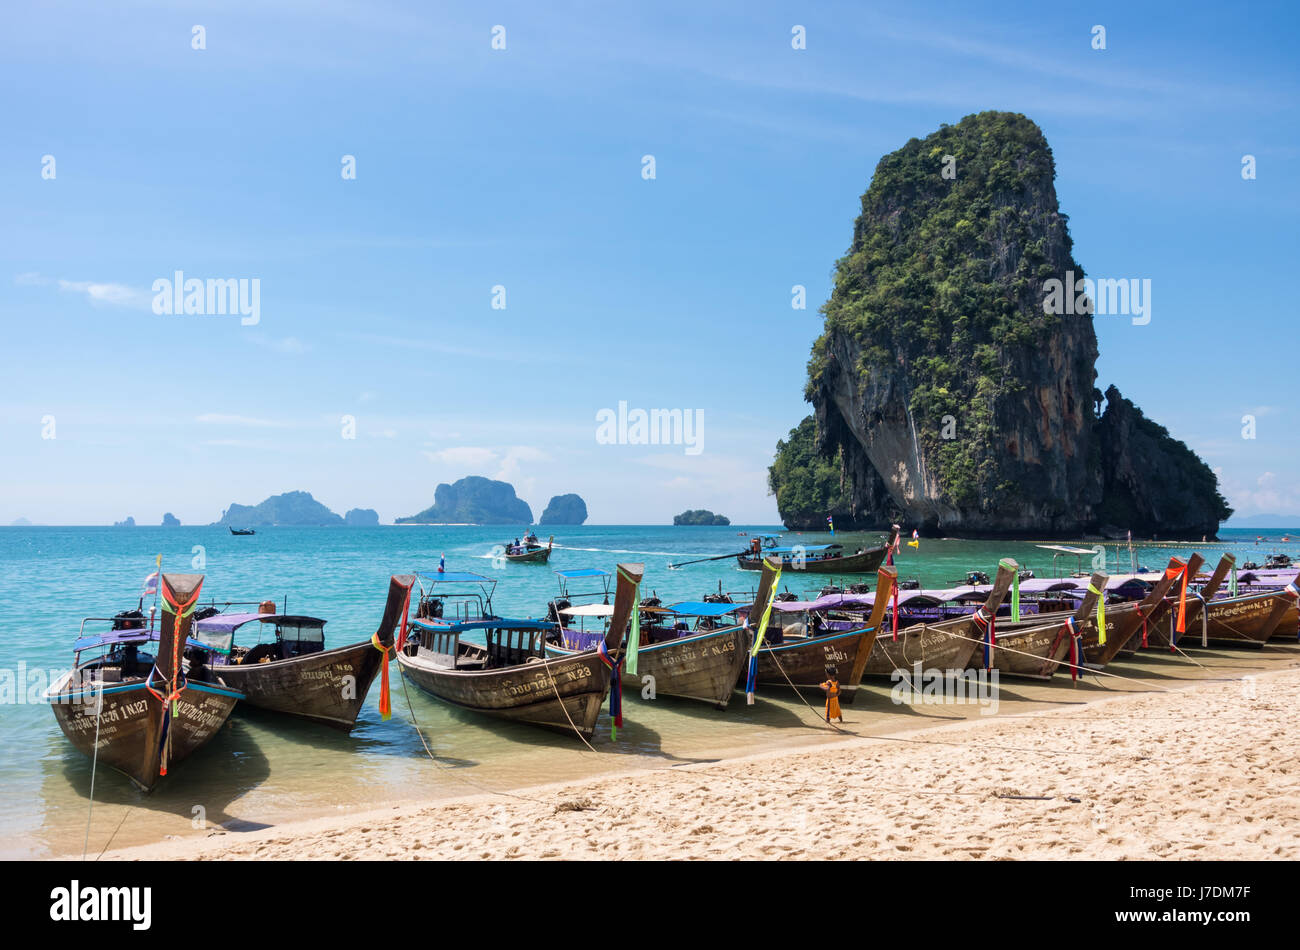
point(696, 608)
point(584, 572)
point(119, 637)
point(456, 577)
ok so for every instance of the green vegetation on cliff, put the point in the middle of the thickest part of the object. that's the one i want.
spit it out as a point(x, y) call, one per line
point(700, 516)
point(807, 486)
point(944, 277)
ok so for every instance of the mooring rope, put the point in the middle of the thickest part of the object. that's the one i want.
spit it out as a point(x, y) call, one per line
point(94, 766)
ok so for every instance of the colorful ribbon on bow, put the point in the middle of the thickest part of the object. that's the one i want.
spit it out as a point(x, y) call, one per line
point(894, 593)
point(751, 682)
point(1015, 598)
point(615, 688)
point(1101, 612)
point(984, 621)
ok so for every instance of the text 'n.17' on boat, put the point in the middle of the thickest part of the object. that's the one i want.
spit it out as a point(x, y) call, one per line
point(1245, 620)
point(137, 704)
point(687, 651)
point(293, 673)
point(498, 667)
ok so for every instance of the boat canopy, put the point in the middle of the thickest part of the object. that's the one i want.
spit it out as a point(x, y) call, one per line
point(696, 608)
point(123, 637)
point(217, 632)
point(456, 577)
point(589, 610)
point(1066, 549)
point(806, 548)
point(497, 623)
point(583, 572)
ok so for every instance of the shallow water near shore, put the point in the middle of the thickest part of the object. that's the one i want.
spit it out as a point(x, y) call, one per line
point(265, 770)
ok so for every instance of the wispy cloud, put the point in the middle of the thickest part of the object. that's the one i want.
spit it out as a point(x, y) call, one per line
point(226, 419)
point(96, 292)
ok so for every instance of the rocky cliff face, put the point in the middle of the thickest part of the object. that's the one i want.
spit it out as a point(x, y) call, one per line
point(950, 397)
point(564, 509)
point(474, 500)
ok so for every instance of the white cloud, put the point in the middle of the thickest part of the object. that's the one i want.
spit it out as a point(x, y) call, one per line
point(463, 455)
point(118, 295)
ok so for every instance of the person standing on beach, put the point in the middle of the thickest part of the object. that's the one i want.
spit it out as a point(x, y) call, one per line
point(832, 690)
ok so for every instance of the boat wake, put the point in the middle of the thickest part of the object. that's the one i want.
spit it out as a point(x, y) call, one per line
point(625, 551)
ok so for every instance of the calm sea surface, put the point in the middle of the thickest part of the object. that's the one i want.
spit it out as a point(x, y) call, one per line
point(264, 770)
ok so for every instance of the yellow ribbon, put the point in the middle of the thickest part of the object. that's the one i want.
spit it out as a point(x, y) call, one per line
point(1101, 613)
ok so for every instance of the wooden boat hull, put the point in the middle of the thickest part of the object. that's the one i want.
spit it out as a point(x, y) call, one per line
point(704, 666)
point(865, 563)
point(1289, 626)
point(564, 693)
point(801, 661)
point(540, 556)
point(130, 724)
point(327, 687)
point(1034, 652)
point(1233, 621)
point(935, 648)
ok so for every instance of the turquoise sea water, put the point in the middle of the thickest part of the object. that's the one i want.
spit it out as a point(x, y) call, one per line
point(265, 769)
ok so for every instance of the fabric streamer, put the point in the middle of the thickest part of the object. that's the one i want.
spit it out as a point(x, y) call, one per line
point(385, 698)
point(895, 612)
point(752, 684)
point(985, 623)
point(615, 689)
point(1101, 612)
point(1015, 598)
point(633, 634)
point(752, 674)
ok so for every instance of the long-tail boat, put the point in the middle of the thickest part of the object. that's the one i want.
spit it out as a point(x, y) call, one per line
point(508, 675)
point(1036, 647)
point(295, 674)
point(138, 713)
point(1125, 622)
point(946, 645)
point(800, 660)
point(701, 662)
point(1247, 620)
point(819, 559)
point(241, 531)
point(530, 552)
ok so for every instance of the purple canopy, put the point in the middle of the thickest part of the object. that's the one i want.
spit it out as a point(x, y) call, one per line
point(229, 623)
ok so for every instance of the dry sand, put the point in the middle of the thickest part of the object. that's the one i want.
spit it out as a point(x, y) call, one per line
point(1207, 771)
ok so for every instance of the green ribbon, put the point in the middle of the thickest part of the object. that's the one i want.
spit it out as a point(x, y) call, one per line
point(767, 615)
point(1015, 598)
point(634, 635)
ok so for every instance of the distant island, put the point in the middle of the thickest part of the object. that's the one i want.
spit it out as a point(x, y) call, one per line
point(297, 508)
point(20, 523)
point(361, 518)
point(473, 500)
point(128, 523)
point(170, 521)
point(564, 509)
point(697, 516)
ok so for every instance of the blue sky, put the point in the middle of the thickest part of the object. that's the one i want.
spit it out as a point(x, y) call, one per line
point(523, 168)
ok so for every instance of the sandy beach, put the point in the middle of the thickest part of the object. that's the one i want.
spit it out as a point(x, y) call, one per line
point(1205, 770)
